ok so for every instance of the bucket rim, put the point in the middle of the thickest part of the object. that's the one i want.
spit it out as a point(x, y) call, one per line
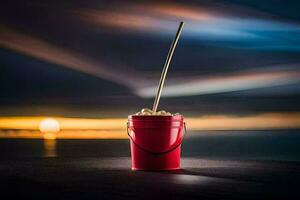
point(155, 118)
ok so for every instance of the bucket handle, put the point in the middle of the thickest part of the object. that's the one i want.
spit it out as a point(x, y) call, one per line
point(151, 152)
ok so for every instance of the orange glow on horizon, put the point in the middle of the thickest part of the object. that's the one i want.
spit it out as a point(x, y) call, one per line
point(49, 136)
point(115, 128)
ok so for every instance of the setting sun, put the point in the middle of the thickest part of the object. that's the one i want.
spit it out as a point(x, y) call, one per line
point(49, 125)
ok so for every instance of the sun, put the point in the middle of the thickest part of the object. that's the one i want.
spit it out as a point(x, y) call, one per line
point(49, 125)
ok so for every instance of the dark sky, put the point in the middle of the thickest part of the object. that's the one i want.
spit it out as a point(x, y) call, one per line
point(90, 58)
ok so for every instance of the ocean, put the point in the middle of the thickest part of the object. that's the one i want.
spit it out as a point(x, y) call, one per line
point(272, 145)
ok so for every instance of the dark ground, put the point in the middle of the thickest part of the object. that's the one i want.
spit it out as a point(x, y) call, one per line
point(243, 165)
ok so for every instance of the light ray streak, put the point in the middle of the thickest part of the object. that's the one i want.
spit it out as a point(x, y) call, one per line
point(224, 83)
point(48, 52)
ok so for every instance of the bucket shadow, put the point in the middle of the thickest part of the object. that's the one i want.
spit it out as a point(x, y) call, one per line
point(191, 172)
point(254, 175)
point(179, 172)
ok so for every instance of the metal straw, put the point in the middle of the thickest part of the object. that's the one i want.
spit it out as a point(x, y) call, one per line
point(166, 66)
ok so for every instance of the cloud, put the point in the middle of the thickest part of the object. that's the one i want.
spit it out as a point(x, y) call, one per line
point(48, 52)
point(238, 81)
point(225, 27)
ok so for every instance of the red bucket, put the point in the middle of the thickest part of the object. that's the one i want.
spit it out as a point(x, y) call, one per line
point(155, 141)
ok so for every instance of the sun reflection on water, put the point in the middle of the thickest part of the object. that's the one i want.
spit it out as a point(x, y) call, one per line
point(50, 148)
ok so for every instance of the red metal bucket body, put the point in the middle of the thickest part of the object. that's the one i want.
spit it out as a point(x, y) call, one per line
point(155, 142)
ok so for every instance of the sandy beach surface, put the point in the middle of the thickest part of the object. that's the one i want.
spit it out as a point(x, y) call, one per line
point(89, 169)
